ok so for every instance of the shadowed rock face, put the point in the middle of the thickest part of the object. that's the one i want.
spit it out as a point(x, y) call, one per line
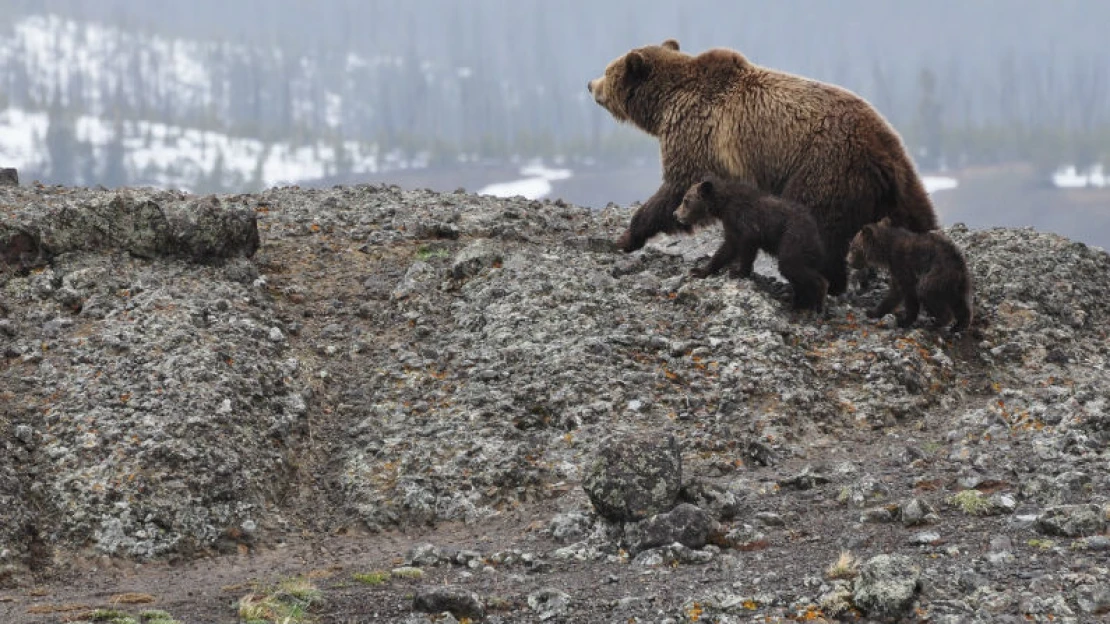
point(164, 224)
point(633, 477)
point(181, 375)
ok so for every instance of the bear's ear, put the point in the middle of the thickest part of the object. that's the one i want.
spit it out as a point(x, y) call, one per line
point(671, 44)
point(637, 65)
point(885, 222)
point(705, 189)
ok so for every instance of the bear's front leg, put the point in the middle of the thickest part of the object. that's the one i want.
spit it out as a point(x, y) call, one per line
point(890, 301)
point(747, 250)
point(726, 253)
point(912, 309)
point(655, 216)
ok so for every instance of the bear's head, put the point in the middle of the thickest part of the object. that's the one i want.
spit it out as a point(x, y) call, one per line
point(865, 248)
point(620, 90)
point(698, 203)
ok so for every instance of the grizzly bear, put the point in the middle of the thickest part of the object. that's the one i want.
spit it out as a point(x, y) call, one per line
point(925, 269)
point(754, 220)
point(813, 143)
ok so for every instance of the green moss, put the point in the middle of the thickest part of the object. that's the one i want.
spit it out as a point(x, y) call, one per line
point(971, 502)
point(154, 616)
point(428, 253)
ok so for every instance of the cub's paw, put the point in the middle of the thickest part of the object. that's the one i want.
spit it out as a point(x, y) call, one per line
point(699, 272)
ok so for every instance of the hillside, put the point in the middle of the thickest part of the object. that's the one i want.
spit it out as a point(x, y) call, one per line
point(203, 396)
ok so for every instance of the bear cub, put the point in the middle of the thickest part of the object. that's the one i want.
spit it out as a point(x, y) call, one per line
point(926, 269)
point(755, 220)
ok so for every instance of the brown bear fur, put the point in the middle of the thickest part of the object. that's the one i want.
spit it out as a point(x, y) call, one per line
point(754, 220)
point(809, 142)
point(925, 269)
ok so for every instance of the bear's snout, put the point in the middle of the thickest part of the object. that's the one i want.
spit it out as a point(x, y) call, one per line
point(590, 86)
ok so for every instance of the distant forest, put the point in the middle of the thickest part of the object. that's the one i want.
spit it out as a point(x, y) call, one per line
point(967, 83)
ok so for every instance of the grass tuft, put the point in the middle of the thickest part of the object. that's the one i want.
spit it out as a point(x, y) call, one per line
point(845, 567)
point(376, 577)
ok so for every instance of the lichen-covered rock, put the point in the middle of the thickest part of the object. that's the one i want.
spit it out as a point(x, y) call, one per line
point(159, 403)
point(459, 602)
point(685, 524)
point(721, 502)
point(632, 477)
point(142, 223)
point(887, 585)
point(549, 603)
point(1072, 520)
point(476, 256)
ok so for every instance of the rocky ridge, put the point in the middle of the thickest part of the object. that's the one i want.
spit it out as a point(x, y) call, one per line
point(185, 375)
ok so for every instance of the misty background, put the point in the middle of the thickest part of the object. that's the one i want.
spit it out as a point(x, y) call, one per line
point(1007, 99)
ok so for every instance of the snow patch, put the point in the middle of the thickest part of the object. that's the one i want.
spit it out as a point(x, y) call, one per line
point(938, 183)
point(1069, 177)
point(536, 185)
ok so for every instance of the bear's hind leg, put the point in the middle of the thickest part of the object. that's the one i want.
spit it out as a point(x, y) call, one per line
point(835, 265)
point(961, 306)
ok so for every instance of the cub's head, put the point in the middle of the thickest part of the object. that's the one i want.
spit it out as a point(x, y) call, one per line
point(864, 248)
point(697, 205)
point(619, 90)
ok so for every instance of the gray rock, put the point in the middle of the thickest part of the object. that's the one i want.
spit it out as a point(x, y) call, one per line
point(474, 258)
point(572, 526)
point(917, 512)
point(876, 515)
point(9, 177)
point(721, 502)
point(672, 554)
point(685, 524)
point(455, 600)
point(808, 478)
point(549, 603)
point(1095, 542)
point(1072, 520)
point(1094, 599)
point(887, 585)
point(425, 555)
point(925, 538)
point(25, 434)
point(632, 477)
point(866, 489)
point(969, 581)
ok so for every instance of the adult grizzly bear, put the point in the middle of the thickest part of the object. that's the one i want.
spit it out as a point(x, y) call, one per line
point(925, 269)
point(807, 141)
point(754, 220)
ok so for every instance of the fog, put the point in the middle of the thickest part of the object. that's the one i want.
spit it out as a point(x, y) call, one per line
point(462, 91)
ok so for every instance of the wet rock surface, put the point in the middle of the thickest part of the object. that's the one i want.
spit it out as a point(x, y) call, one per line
point(452, 388)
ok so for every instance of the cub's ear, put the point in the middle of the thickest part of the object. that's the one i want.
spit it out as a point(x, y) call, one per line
point(637, 66)
point(671, 44)
point(885, 222)
point(868, 232)
point(705, 189)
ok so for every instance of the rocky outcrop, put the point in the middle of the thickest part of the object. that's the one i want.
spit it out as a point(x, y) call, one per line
point(183, 375)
